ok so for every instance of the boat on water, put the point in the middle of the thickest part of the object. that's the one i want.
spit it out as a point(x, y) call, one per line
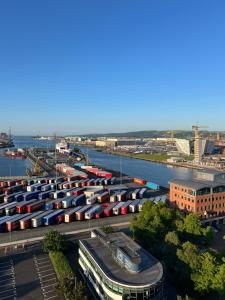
point(17, 153)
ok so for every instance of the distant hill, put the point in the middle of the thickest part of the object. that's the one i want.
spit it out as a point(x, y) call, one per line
point(154, 134)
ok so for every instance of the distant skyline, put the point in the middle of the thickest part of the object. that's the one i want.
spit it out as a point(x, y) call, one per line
point(79, 67)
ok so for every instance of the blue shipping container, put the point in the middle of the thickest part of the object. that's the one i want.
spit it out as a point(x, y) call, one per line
point(152, 185)
point(50, 219)
point(79, 200)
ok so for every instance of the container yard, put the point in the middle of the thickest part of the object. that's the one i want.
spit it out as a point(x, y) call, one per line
point(76, 196)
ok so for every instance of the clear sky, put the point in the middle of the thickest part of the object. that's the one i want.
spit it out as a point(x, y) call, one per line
point(84, 66)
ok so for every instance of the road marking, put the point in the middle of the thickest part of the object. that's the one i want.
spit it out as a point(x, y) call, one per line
point(2, 267)
point(51, 297)
point(45, 266)
point(6, 275)
point(1, 292)
point(46, 286)
point(49, 280)
point(7, 297)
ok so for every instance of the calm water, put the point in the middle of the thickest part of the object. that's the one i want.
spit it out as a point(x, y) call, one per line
point(17, 166)
point(150, 171)
point(158, 173)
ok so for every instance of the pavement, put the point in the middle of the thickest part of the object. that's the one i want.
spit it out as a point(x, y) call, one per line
point(27, 276)
point(21, 235)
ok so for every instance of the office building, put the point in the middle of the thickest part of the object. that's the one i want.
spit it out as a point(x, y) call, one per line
point(119, 269)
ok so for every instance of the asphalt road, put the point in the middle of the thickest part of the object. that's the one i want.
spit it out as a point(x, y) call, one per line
point(18, 235)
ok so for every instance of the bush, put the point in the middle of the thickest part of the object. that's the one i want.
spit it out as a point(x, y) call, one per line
point(54, 241)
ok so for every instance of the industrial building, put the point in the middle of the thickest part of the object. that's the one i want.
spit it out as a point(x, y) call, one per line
point(204, 194)
point(118, 268)
point(183, 146)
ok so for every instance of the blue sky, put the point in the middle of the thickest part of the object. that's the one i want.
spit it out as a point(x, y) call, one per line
point(84, 66)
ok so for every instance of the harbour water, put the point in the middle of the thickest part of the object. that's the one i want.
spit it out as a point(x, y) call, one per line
point(156, 172)
point(18, 166)
point(150, 171)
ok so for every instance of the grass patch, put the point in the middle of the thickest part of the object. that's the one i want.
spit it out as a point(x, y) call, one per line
point(155, 157)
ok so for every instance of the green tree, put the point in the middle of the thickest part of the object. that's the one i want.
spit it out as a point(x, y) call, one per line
point(54, 241)
point(189, 255)
point(190, 228)
point(107, 229)
point(72, 288)
point(203, 276)
point(219, 279)
point(152, 224)
point(172, 238)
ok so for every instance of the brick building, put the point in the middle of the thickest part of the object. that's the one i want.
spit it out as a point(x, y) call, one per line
point(203, 195)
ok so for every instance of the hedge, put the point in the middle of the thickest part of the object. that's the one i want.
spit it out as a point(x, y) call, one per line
point(61, 265)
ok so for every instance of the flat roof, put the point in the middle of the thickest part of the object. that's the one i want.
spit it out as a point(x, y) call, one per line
point(152, 270)
point(197, 184)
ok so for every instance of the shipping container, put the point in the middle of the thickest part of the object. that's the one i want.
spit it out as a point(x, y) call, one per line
point(70, 215)
point(31, 195)
point(51, 218)
point(103, 197)
point(90, 182)
point(10, 210)
point(13, 189)
point(39, 204)
point(3, 221)
point(133, 207)
point(14, 223)
point(39, 220)
point(4, 206)
point(58, 194)
point(70, 191)
point(57, 204)
point(79, 200)
point(108, 210)
point(152, 185)
point(90, 214)
point(44, 195)
point(99, 212)
point(142, 192)
point(135, 194)
point(78, 191)
point(13, 197)
point(125, 208)
point(26, 221)
point(80, 214)
point(31, 188)
point(113, 197)
point(67, 201)
point(91, 200)
point(50, 204)
point(21, 206)
point(122, 196)
point(139, 181)
point(46, 188)
point(117, 208)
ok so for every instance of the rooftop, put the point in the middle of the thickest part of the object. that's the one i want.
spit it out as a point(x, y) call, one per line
point(197, 184)
point(103, 249)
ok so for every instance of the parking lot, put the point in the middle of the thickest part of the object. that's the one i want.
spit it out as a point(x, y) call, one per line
point(46, 276)
point(27, 276)
point(7, 280)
